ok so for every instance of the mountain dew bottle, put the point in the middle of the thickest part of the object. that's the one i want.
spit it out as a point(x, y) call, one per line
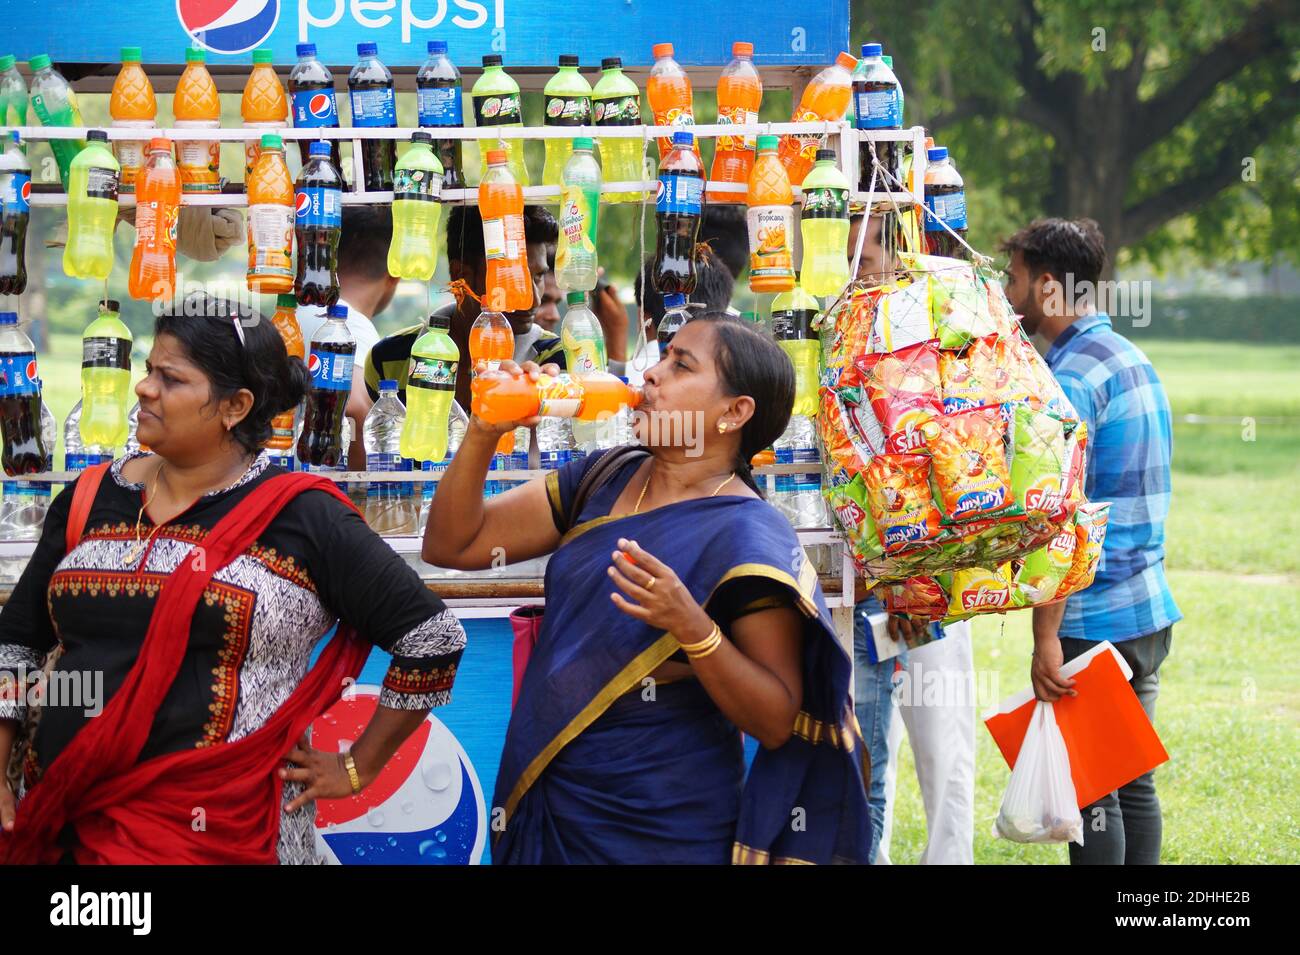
point(616, 101)
point(575, 254)
point(793, 313)
point(567, 98)
point(825, 227)
point(497, 102)
point(105, 379)
point(417, 184)
point(430, 387)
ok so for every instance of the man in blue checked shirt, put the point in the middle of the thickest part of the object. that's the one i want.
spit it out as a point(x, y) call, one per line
point(1116, 393)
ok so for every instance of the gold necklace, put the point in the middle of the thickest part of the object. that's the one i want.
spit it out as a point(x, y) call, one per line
point(646, 486)
point(139, 547)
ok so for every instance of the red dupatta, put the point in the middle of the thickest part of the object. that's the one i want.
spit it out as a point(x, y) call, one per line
point(219, 804)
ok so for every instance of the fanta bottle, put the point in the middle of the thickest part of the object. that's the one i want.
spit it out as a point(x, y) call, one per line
point(771, 222)
point(567, 101)
point(92, 210)
point(197, 106)
point(105, 379)
point(491, 341)
point(669, 92)
point(271, 210)
point(285, 320)
point(157, 204)
point(826, 98)
point(497, 102)
point(264, 106)
point(825, 227)
point(132, 106)
point(499, 397)
point(740, 93)
point(430, 387)
point(417, 183)
point(509, 285)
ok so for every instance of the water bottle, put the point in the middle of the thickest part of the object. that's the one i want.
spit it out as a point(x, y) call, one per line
point(945, 202)
point(793, 314)
point(675, 316)
point(798, 496)
point(132, 423)
point(575, 254)
point(438, 97)
point(555, 442)
point(390, 506)
point(55, 104)
point(92, 209)
point(417, 184)
point(105, 378)
point(877, 104)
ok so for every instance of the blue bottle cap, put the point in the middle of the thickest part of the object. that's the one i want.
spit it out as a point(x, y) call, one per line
point(306, 49)
point(15, 137)
point(683, 139)
point(437, 47)
point(367, 49)
point(388, 384)
point(337, 311)
point(8, 318)
point(872, 49)
point(319, 148)
point(937, 153)
point(675, 299)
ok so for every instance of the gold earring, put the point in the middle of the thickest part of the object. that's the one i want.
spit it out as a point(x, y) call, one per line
point(722, 427)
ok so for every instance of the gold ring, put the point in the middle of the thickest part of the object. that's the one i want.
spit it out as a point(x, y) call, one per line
point(650, 584)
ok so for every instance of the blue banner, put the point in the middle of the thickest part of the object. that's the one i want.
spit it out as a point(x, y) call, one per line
point(524, 32)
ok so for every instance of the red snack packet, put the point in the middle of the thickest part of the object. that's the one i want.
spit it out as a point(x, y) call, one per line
point(904, 391)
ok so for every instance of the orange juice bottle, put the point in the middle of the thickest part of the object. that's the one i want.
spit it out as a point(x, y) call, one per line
point(499, 397)
point(771, 222)
point(285, 321)
point(197, 106)
point(604, 394)
point(264, 106)
point(825, 98)
point(669, 93)
point(132, 106)
point(270, 220)
point(740, 93)
point(509, 284)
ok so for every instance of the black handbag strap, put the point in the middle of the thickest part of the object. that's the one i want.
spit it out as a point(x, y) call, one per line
point(597, 476)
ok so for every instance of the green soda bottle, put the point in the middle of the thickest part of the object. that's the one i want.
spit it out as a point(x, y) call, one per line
point(105, 379)
point(582, 337)
point(497, 102)
point(825, 227)
point(13, 93)
point(430, 388)
point(616, 101)
point(55, 104)
point(568, 103)
point(92, 209)
point(793, 313)
point(575, 254)
point(417, 182)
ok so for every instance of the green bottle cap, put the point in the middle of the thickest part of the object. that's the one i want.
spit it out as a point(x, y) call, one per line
point(272, 141)
point(286, 300)
point(750, 317)
point(583, 142)
point(7, 62)
point(263, 56)
point(768, 142)
point(887, 60)
point(195, 55)
point(39, 62)
point(131, 54)
point(576, 298)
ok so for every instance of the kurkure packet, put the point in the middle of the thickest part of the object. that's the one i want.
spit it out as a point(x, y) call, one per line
point(898, 492)
point(1038, 461)
point(970, 464)
point(966, 378)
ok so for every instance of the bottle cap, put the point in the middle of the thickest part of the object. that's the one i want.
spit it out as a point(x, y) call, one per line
point(273, 141)
point(160, 143)
point(8, 318)
point(97, 136)
point(660, 50)
point(111, 305)
point(367, 49)
point(422, 137)
point(612, 63)
point(768, 142)
point(683, 139)
point(439, 321)
point(306, 49)
point(337, 311)
point(319, 148)
point(846, 60)
point(568, 59)
point(387, 384)
point(15, 137)
point(937, 153)
point(872, 49)
point(496, 157)
point(583, 142)
point(674, 300)
point(438, 47)
point(740, 48)
point(130, 54)
point(825, 155)
point(286, 300)
point(749, 316)
point(492, 59)
point(264, 55)
point(194, 55)
point(576, 298)
point(39, 62)
point(887, 60)
point(7, 62)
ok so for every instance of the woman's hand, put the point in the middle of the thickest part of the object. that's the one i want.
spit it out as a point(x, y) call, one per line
point(322, 773)
point(8, 805)
point(534, 372)
point(661, 600)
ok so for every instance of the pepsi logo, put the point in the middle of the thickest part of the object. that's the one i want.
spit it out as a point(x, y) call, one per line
point(304, 205)
point(27, 191)
point(31, 370)
point(313, 363)
point(659, 190)
point(321, 105)
point(228, 26)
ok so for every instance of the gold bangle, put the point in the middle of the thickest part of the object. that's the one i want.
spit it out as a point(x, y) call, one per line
point(350, 765)
point(717, 642)
point(703, 644)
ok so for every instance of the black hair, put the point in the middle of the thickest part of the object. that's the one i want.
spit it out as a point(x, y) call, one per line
point(713, 285)
point(1061, 247)
point(465, 231)
point(724, 228)
point(753, 364)
point(363, 244)
point(205, 327)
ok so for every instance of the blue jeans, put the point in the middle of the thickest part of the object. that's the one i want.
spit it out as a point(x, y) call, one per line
point(872, 703)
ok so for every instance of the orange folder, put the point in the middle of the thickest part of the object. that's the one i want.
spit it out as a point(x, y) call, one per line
point(1109, 738)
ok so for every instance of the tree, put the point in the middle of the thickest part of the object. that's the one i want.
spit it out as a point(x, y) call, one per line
point(1170, 123)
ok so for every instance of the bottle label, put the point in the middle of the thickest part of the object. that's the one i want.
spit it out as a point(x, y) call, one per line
point(878, 109)
point(330, 371)
point(618, 111)
point(270, 239)
point(793, 324)
point(108, 352)
point(375, 107)
point(376, 461)
point(736, 116)
point(677, 116)
point(497, 110)
point(808, 145)
point(558, 397)
point(130, 156)
point(678, 194)
point(503, 238)
point(18, 374)
point(16, 193)
point(101, 183)
point(825, 203)
point(315, 108)
point(951, 208)
point(578, 205)
point(583, 356)
point(318, 207)
point(416, 185)
point(568, 111)
point(436, 374)
point(155, 225)
point(199, 161)
point(439, 106)
point(770, 231)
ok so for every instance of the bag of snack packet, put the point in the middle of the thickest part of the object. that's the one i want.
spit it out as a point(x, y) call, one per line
point(963, 378)
point(1072, 475)
point(1090, 529)
point(848, 502)
point(844, 444)
point(916, 596)
point(898, 492)
point(904, 392)
point(969, 453)
point(903, 316)
point(1012, 380)
point(959, 301)
point(851, 337)
point(1042, 571)
point(1046, 392)
point(980, 590)
point(1001, 314)
point(1038, 461)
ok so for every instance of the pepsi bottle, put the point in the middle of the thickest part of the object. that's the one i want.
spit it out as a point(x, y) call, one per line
point(318, 223)
point(15, 193)
point(24, 450)
point(438, 95)
point(312, 101)
point(374, 104)
point(333, 350)
point(677, 214)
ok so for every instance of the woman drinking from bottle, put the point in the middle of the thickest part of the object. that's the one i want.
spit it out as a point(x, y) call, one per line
point(198, 581)
point(680, 612)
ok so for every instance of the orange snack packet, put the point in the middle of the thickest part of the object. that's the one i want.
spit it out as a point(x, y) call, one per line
point(898, 492)
point(969, 451)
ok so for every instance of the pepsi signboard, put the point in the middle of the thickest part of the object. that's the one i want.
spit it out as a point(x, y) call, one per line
point(524, 32)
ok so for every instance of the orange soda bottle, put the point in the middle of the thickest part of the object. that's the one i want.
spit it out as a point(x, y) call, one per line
point(669, 91)
point(492, 341)
point(157, 205)
point(771, 222)
point(264, 106)
point(133, 106)
point(740, 93)
point(197, 106)
point(509, 285)
point(499, 397)
point(825, 98)
point(285, 320)
point(270, 220)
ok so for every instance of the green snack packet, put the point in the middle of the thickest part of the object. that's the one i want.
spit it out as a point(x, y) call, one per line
point(1037, 461)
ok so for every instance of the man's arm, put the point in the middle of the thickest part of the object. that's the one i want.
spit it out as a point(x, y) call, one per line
point(359, 405)
point(1045, 671)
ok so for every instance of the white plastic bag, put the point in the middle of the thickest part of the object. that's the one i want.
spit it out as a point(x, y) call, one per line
point(1040, 804)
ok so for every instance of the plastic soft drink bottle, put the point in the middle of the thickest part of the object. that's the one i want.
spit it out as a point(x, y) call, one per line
point(771, 222)
point(825, 98)
point(105, 378)
point(496, 101)
point(13, 93)
point(575, 254)
point(825, 227)
point(616, 101)
point(374, 104)
point(430, 387)
point(390, 505)
point(55, 104)
point(24, 449)
point(457, 425)
point(500, 397)
point(312, 100)
point(77, 455)
point(509, 284)
point(492, 341)
point(271, 216)
point(22, 512)
point(15, 196)
point(92, 209)
point(285, 320)
point(793, 313)
point(877, 104)
point(196, 105)
point(264, 106)
point(438, 98)
point(318, 224)
point(132, 106)
point(582, 337)
point(333, 350)
point(740, 93)
point(677, 216)
point(945, 199)
point(567, 99)
point(669, 92)
point(157, 205)
point(417, 185)
point(675, 316)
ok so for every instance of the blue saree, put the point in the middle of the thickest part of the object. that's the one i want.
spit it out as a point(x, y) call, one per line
point(599, 767)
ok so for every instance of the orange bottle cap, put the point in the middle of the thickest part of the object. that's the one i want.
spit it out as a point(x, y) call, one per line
point(740, 48)
point(661, 50)
point(847, 60)
point(496, 157)
point(160, 142)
